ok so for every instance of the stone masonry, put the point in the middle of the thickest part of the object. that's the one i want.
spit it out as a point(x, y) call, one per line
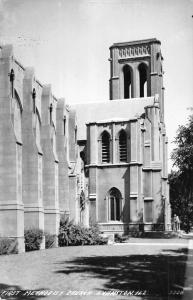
point(34, 156)
point(102, 163)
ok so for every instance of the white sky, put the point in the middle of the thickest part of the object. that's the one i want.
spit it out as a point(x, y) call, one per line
point(67, 42)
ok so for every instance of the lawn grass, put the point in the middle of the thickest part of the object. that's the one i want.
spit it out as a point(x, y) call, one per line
point(158, 270)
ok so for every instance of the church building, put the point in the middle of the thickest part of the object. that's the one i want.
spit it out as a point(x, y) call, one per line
point(103, 163)
point(123, 144)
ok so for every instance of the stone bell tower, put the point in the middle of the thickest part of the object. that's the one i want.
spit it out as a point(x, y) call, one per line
point(136, 70)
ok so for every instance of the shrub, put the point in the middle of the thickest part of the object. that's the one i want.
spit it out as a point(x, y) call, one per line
point(49, 240)
point(121, 238)
point(74, 235)
point(95, 236)
point(33, 239)
point(134, 232)
point(65, 236)
point(8, 246)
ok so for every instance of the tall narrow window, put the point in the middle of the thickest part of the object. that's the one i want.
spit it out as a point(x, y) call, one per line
point(127, 82)
point(105, 147)
point(75, 134)
point(159, 148)
point(122, 146)
point(143, 80)
point(114, 204)
point(64, 126)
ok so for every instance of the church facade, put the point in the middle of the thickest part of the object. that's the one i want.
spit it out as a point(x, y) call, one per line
point(102, 163)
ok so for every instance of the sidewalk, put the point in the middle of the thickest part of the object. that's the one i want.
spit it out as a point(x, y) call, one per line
point(188, 286)
point(186, 235)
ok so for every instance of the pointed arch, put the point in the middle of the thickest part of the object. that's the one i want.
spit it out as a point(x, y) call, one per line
point(115, 204)
point(127, 77)
point(105, 140)
point(122, 146)
point(142, 68)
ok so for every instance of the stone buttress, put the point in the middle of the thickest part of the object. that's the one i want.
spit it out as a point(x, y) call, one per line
point(62, 148)
point(50, 162)
point(32, 152)
point(11, 106)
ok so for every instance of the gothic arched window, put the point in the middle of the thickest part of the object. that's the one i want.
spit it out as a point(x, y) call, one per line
point(115, 199)
point(127, 82)
point(105, 147)
point(142, 80)
point(122, 146)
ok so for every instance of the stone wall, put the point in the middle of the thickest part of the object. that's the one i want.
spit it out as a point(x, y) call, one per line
point(141, 180)
point(35, 162)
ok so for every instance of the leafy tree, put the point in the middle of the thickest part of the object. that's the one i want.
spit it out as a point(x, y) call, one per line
point(180, 203)
point(181, 181)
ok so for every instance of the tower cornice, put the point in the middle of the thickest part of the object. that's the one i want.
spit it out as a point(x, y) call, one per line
point(137, 42)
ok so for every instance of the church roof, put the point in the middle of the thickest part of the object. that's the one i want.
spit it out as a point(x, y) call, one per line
point(114, 110)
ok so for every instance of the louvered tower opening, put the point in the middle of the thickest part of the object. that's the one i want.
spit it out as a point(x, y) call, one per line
point(143, 80)
point(123, 146)
point(105, 147)
point(127, 82)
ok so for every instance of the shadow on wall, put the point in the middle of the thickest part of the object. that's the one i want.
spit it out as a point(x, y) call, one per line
point(159, 275)
point(15, 292)
point(160, 209)
point(160, 218)
point(126, 207)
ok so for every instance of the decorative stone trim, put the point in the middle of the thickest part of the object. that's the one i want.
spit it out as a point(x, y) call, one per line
point(11, 206)
point(134, 51)
point(156, 165)
point(51, 210)
point(31, 208)
point(148, 199)
point(133, 195)
point(153, 73)
point(152, 167)
point(92, 197)
point(147, 143)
